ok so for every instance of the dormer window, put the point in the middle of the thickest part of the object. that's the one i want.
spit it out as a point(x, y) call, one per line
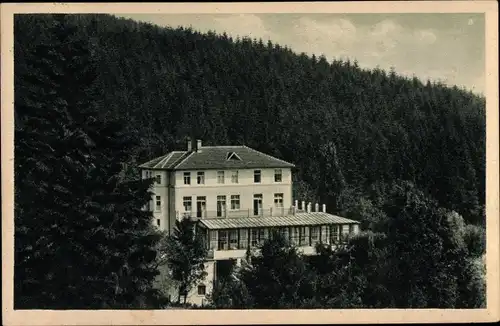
point(232, 156)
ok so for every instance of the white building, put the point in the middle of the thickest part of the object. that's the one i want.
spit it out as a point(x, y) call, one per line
point(237, 195)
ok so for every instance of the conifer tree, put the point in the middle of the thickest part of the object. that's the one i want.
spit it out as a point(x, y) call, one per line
point(384, 127)
point(81, 237)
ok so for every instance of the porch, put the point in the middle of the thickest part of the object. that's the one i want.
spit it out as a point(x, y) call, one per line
point(229, 238)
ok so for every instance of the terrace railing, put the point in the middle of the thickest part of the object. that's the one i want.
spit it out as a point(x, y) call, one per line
point(239, 213)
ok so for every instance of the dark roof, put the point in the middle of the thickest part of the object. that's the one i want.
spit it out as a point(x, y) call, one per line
point(299, 219)
point(216, 157)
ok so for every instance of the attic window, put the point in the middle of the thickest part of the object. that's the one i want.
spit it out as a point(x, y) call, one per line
point(232, 156)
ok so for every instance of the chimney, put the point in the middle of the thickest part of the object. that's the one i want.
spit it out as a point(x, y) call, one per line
point(198, 145)
point(309, 208)
point(296, 204)
point(190, 145)
point(316, 207)
point(324, 208)
point(303, 206)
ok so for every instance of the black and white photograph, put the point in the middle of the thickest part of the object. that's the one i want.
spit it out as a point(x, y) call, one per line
point(223, 161)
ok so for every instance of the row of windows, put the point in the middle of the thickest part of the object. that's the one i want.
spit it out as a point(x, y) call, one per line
point(201, 202)
point(234, 177)
point(221, 177)
point(222, 202)
point(301, 236)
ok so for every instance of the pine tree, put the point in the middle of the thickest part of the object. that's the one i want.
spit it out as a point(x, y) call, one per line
point(81, 238)
point(384, 126)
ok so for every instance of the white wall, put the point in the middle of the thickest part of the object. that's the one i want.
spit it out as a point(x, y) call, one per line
point(245, 187)
point(245, 177)
point(162, 189)
point(172, 190)
point(193, 296)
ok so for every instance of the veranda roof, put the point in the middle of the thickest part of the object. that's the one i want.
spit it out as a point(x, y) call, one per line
point(299, 219)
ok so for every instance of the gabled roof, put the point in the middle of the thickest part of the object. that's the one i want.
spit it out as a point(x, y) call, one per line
point(216, 157)
point(299, 219)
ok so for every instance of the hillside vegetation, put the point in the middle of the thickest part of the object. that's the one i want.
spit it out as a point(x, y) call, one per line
point(167, 83)
point(357, 137)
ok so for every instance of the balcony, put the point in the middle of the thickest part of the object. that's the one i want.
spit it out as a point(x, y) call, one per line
point(240, 213)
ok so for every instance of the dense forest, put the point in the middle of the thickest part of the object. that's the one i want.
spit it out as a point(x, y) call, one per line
point(167, 82)
point(352, 133)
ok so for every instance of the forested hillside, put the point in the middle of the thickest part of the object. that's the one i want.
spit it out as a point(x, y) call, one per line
point(349, 131)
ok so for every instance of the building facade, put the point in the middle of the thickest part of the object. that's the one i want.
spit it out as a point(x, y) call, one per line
point(238, 196)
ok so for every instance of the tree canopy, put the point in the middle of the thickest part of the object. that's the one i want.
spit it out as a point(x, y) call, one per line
point(82, 239)
point(346, 129)
point(95, 95)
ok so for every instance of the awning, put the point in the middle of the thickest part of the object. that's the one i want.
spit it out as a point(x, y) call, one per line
point(299, 219)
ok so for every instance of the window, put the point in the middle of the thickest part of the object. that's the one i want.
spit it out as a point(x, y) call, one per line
point(158, 203)
point(187, 178)
point(257, 204)
point(283, 232)
point(158, 222)
point(202, 289)
point(200, 178)
point(213, 239)
point(234, 177)
point(243, 239)
point(201, 205)
point(188, 204)
point(220, 177)
point(345, 232)
point(222, 240)
point(294, 235)
point(314, 235)
point(254, 237)
point(262, 235)
point(278, 175)
point(235, 202)
point(324, 234)
point(221, 206)
point(334, 235)
point(278, 200)
point(233, 239)
point(232, 156)
point(302, 235)
point(256, 176)
point(158, 178)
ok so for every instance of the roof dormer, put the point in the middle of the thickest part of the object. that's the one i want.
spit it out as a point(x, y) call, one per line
point(232, 156)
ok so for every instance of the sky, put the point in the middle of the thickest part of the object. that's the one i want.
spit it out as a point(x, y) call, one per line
point(448, 47)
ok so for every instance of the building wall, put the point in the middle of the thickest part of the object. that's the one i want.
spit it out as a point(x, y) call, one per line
point(172, 190)
point(245, 177)
point(193, 296)
point(245, 187)
point(166, 190)
point(160, 189)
